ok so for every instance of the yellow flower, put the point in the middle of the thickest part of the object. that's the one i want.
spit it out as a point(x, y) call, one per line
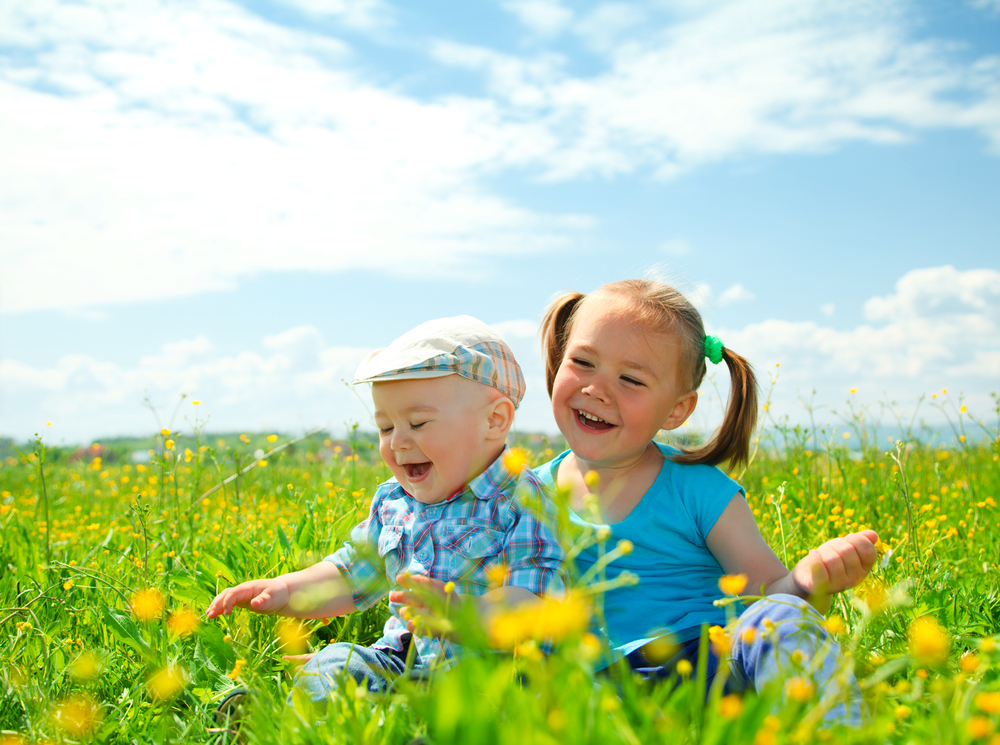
point(684, 668)
point(183, 622)
point(799, 689)
point(625, 547)
point(730, 706)
point(272, 438)
point(515, 460)
point(550, 619)
point(165, 432)
point(660, 649)
point(188, 455)
point(749, 634)
point(68, 584)
point(733, 584)
point(929, 642)
point(165, 683)
point(78, 715)
point(85, 667)
point(195, 403)
point(169, 444)
point(902, 712)
point(147, 604)
point(449, 588)
point(720, 640)
point(835, 625)
point(592, 479)
point(496, 574)
point(969, 662)
point(979, 727)
point(590, 647)
point(988, 702)
point(987, 645)
point(294, 636)
point(237, 669)
point(873, 593)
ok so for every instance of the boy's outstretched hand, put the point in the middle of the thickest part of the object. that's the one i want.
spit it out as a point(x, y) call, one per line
point(260, 595)
point(837, 565)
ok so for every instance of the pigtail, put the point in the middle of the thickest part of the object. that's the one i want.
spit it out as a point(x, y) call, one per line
point(732, 441)
point(554, 332)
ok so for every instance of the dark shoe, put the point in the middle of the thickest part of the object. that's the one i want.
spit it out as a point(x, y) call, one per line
point(229, 715)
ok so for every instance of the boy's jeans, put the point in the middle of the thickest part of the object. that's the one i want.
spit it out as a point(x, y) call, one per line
point(374, 669)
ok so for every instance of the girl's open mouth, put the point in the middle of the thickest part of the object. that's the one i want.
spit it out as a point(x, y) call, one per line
point(415, 471)
point(589, 421)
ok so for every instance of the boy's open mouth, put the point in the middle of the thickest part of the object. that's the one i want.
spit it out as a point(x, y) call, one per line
point(415, 471)
point(592, 422)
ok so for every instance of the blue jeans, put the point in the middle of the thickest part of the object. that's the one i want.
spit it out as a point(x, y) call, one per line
point(791, 642)
point(372, 668)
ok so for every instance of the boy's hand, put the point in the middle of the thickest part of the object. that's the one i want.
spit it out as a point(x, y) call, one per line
point(426, 604)
point(260, 595)
point(837, 565)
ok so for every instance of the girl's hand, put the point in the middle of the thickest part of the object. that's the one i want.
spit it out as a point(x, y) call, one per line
point(260, 595)
point(837, 565)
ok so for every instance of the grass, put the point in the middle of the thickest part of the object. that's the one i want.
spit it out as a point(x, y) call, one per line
point(106, 566)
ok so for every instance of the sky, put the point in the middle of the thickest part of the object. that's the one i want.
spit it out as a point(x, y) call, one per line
point(232, 202)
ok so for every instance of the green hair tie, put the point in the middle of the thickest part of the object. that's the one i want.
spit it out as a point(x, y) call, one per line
point(713, 349)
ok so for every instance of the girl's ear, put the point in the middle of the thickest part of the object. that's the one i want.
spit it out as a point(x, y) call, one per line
point(683, 408)
point(500, 417)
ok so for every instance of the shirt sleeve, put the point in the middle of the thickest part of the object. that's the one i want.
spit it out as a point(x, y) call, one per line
point(534, 556)
point(359, 561)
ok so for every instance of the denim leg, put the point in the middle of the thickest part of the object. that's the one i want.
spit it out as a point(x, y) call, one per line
point(793, 626)
point(374, 669)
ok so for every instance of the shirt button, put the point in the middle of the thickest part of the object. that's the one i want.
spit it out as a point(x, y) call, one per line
point(423, 556)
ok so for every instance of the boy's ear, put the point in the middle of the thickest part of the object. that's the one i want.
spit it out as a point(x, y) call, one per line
point(683, 408)
point(500, 417)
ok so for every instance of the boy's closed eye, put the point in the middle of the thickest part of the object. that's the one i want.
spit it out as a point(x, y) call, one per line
point(632, 381)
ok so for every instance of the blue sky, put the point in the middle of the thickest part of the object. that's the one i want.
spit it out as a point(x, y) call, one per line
point(238, 200)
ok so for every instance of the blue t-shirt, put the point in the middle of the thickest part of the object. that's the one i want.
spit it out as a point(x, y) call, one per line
point(678, 575)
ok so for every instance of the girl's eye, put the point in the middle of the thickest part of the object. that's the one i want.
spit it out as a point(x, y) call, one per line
point(384, 430)
point(417, 426)
point(581, 362)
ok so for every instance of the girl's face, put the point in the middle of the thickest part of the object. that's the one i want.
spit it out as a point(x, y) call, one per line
point(617, 386)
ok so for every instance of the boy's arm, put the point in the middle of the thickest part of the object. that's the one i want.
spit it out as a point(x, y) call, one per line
point(837, 565)
point(319, 591)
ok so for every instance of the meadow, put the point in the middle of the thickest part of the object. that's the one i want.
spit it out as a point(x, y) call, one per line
point(107, 564)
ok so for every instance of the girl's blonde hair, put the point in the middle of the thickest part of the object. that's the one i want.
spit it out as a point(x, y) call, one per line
point(663, 309)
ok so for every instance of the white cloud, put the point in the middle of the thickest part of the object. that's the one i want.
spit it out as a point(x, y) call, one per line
point(544, 17)
point(939, 329)
point(735, 294)
point(522, 328)
point(721, 80)
point(207, 146)
point(828, 309)
point(296, 383)
point(361, 14)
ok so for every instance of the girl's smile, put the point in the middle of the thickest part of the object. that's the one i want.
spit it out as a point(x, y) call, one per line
point(617, 386)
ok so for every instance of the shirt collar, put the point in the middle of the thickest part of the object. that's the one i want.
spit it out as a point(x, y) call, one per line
point(495, 478)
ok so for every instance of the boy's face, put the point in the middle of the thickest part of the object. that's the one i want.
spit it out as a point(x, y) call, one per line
point(433, 433)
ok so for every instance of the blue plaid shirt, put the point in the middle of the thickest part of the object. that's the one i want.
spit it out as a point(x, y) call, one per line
point(476, 534)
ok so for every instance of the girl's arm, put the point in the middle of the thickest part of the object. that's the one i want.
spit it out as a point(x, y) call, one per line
point(837, 565)
point(318, 591)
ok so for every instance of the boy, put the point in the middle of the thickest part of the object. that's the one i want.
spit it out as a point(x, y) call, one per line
point(445, 395)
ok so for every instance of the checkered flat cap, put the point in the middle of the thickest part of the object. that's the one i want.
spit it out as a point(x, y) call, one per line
point(462, 345)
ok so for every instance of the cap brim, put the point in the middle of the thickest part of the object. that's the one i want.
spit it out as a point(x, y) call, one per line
point(404, 375)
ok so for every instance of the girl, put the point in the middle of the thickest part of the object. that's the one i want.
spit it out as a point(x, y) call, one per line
point(621, 364)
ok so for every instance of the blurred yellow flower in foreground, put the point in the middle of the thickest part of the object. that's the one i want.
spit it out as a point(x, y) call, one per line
point(550, 619)
point(720, 640)
point(78, 715)
point(165, 683)
point(237, 670)
point(85, 667)
point(730, 706)
point(515, 460)
point(183, 622)
point(929, 642)
point(799, 689)
point(294, 636)
point(733, 584)
point(872, 593)
point(148, 604)
point(979, 727)
point(988, 702)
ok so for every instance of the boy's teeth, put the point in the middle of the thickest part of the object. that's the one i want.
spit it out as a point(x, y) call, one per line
point(591, 417)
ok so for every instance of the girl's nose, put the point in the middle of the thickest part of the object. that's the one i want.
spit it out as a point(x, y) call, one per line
point(596, 390)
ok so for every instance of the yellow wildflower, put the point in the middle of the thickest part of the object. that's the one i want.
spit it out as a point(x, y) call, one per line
point(272, 438)
point(165, 683)
point(78, 715)
point(969, 662)
point(988, 702)
point(835, 624)
point(720, 640)
point(929, 642)
point(979, 727)
point(515, 460)
point(730, 706)
point(294, 636)
point(237, 669)
point(147, 604)
point(684, 668)
point(733, 584)
point(592, 479)
point(183, 622)
point(799, 689)
point(85, 667)
point(550, 619)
